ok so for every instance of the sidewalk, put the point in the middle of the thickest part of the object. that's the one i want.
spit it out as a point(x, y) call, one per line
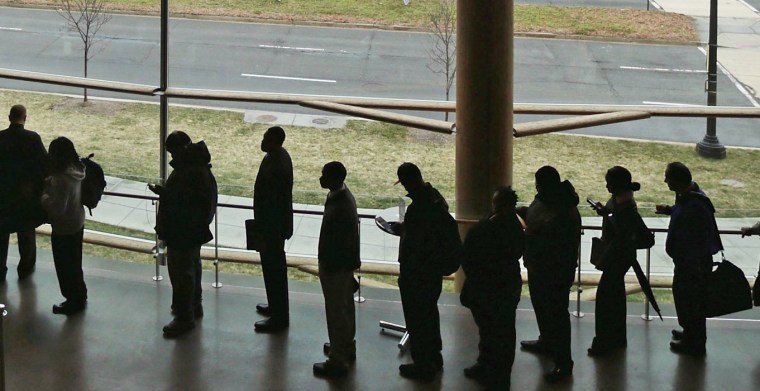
point(738, 37)
point(377, 246)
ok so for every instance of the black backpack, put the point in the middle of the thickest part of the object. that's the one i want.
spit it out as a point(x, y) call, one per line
point(450, 248)
point(94, 183)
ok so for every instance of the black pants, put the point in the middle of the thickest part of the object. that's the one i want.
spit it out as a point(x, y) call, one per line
point(419, 299)
point(690, 279)
point(275, 269)
point(67, 256)
point(27, 250)
point(611, 307)
point(185, 275)
point(550, 295)
point(496, 326)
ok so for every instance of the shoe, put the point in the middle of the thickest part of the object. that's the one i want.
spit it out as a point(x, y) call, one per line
point(687, 348)
point(330, 369)
point(559, 373)
point(263, 309)
point(69, 308)
point(418, 371)
point(476, 372)
point(535, 346)
point(23, 274)
point(270, 326)
point(602, 349)
point(175, 328)
point(678, 335)
point(326, 351)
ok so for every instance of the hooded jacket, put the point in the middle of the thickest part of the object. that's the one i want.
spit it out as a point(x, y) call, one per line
point(553, 231)
point(188, 201)
point(62, 200)
point(692, 232)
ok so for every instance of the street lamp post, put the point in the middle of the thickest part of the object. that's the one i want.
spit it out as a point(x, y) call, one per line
point(710, 146)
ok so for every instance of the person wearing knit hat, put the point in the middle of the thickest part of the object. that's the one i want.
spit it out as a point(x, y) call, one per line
point(620, 222)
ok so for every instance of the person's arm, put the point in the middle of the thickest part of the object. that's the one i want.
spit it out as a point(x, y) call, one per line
point(753, 230)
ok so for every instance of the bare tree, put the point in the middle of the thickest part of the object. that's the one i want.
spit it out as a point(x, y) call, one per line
point(85, 17)
point(443, 20)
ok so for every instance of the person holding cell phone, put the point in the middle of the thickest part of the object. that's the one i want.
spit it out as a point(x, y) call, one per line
point(620, 221)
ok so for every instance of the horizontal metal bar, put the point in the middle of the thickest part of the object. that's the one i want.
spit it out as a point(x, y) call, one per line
point(384, 116)
point(79, 82)
point(562, 124)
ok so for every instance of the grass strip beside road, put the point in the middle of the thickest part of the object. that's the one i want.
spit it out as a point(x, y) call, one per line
point(581, 21)
point(124, 138)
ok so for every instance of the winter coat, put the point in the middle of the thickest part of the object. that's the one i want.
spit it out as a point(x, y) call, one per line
point(273, 194)
point(422, 229)
point(491, 263)
point(22, 169)
point(339, 234)
point(692, 232)
point(553, 232)
point(187, 203)
point(620, 225)
point(62, 200)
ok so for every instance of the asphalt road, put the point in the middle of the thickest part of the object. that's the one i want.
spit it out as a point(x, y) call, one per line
point(371, 63)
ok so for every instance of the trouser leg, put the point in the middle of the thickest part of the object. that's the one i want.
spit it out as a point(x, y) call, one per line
point(182, 265)
point(27, 250)
point(419, 299)
point(67, 258)
point(275, 269)
point(610, 325)
point(690, 279)
point(337, 287)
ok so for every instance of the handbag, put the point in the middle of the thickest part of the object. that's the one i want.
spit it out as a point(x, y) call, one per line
point(644, 236)
point(727, 290)
point(599, 252)
point(253, 239)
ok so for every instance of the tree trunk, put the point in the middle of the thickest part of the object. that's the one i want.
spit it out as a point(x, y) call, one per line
point(85, 74)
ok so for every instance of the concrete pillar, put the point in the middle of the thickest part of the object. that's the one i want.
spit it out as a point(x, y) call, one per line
point(485, 54)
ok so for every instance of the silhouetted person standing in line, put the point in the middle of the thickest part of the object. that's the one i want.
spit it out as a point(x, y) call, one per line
point(338, 258)
point(491, 263)
point(62, 200)
point(552, 238)
point(692, 241)
point(620, 224)
point(187, 204)
point(22, 169)
point(419, 281)
point(273, 210)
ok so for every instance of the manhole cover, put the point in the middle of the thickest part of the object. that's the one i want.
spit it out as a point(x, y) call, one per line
point(320, 121)
point(266, 118)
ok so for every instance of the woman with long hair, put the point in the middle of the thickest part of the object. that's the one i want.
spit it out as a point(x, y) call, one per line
point(621, 223)
point(62, 200)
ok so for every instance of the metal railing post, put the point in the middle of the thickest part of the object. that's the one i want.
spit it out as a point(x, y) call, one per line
point(646, 315)
point(359, 298)
point(577, 313)
point(3, 312)
point(216, 283)
point(160, 251)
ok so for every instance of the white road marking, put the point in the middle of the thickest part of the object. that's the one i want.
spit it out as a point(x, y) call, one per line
point(753, 9)
point(10, 28)
point(646, 102)
point(739, 85)
point(291, 48)
point(288, 78)
point(674, 70)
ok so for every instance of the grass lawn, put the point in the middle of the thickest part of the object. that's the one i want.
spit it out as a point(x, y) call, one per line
point(597, 22)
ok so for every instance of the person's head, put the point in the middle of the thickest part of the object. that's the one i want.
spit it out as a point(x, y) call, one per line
point(177, 141)
point(504, 200)
point(619, 181)
point(62, 154)
point(547, 179)
point(333, 175)
point(678, 177)
point(409, 176)
point(274, 137)
point(17, 114)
